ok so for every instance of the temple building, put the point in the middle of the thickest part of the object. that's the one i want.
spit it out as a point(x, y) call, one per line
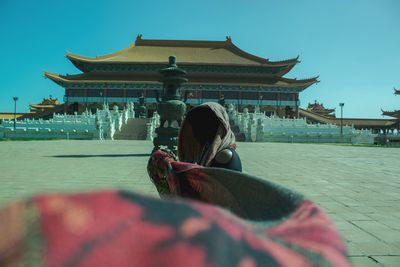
point(216, 70)
point(395, 113)
point(319, 109)
point(46, 104)
point(317, 113)
point(44, 110)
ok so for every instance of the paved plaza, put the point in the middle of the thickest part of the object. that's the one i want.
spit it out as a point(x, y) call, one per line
point(358, 186)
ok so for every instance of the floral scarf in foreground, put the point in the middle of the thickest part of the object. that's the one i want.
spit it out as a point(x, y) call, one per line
point(219, 218)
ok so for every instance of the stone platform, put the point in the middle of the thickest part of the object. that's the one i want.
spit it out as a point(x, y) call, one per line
point(358, 186)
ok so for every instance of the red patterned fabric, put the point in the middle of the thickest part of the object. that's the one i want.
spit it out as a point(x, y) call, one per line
point(217, 218)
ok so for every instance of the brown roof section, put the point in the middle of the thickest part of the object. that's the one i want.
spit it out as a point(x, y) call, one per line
point(186, 51)
point(359, 123)
point(395, 113)
point(10, 115)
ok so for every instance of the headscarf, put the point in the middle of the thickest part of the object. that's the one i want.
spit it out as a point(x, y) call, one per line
point(190, 149)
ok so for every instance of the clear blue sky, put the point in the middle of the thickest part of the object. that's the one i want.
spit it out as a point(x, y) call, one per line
point(354, 46)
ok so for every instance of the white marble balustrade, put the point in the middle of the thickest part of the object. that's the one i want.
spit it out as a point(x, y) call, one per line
point(260, 128)
point(101, 125)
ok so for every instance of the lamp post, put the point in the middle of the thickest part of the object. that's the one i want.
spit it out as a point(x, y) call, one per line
point(341, 118)
point(15, 110)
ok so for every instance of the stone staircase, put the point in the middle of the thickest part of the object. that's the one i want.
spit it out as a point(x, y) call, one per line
point(134, 129)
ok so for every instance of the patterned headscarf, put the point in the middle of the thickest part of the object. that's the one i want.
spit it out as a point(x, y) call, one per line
point(190, 150)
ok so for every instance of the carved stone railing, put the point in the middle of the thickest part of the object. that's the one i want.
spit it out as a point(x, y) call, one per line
point(101, 125)
point(260, 128)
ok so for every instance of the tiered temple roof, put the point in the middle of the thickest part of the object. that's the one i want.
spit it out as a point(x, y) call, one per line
point(207, 62)
point(189, 52)
point(319, 109)
point(395, 113)
point(47, 103)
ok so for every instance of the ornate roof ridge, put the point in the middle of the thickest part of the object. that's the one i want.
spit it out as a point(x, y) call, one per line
point(227, 44)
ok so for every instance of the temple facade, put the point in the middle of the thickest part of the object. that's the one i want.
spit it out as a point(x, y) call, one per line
point(217, 71)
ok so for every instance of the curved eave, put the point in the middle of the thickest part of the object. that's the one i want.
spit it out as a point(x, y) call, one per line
point(42, 106)
point(292, 88)
point(308, 81)
point(78, 58)
point(233, 48)
point(59, 79)
point(55, 78)
point(81, 63)
point(328, 110)
point(285, 71)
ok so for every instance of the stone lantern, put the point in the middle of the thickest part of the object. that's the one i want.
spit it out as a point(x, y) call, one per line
point(171, 107)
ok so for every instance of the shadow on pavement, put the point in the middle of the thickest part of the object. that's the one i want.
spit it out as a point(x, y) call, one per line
point(101, 156)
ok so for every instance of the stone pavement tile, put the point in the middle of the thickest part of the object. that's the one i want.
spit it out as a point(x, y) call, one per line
point(353, 250)
point(384, 216)
point(380, 203)
point(341, 208)
point(379, 230)
point(389, 236)
point(364, 262)
point(367, 225)
point(393, 195)
point(388, 261)
point(391, 207)
point(355, 234)
point(365, 209)
point(376, 248)
point(347, 201)
point(394, 243)
point(351, 216)
point(345, 225)
point(394, 214)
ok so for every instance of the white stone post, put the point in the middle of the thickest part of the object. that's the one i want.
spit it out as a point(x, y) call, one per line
point(112, 130)
point(260, 131)
point(149, 131)
point(119, 122)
